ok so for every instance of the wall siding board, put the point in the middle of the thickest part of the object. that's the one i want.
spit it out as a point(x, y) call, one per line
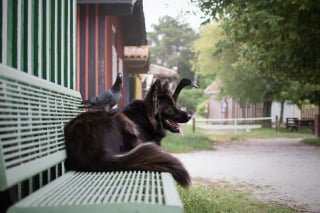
point(67, 43)
point(43, 35)
point(29, 37)
point(81, 67)
point(37, 37)
point(39, 33)
point(91, 50)
point(101, 53)
point(1, 37)
point(19, 34)
point(9, 33)
point(24, 36)
point(48, 39)
point(58, 48)
point(73, 47)
point(4, 28)
point(34, 37)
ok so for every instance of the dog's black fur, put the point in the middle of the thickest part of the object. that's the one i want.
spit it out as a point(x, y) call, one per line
point(128, 138)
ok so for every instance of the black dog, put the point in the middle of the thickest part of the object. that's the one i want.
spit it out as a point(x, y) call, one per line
point(123, 140)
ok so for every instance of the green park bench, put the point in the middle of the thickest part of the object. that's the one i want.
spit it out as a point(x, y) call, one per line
point(33, 113)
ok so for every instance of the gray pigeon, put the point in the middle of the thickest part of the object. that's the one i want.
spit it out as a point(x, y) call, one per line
point(107, 99)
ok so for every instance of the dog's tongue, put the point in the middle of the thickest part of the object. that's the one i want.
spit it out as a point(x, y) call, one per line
point(180, 131)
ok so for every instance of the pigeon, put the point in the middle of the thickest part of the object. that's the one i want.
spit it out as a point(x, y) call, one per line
point(183, 83)
point(107, 99)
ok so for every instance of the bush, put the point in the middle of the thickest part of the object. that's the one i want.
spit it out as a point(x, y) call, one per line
point(190, 98)
point(202, 109)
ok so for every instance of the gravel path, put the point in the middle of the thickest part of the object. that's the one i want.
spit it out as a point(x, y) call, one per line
point(277, 170)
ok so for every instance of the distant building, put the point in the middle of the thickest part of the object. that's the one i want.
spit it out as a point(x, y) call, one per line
point(226, 107)
point(137, 59)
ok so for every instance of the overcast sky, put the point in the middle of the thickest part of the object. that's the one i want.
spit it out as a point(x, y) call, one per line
point(154, 9)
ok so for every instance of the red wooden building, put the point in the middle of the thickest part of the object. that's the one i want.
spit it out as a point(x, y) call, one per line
point(104, 28)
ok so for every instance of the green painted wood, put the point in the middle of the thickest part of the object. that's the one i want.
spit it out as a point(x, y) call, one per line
point(39, 38)
point(10, 14)
point(1, 39)
point(33, 114)
point(111, 192)
point(24, 36)
point(52, 41)
point(34, 37)
point(44, 32)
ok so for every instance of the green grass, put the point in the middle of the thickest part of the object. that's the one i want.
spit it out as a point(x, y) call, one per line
point(260, 133)
point(206, 197)
point(312, 141)
point(201, 140)
point(188, 142)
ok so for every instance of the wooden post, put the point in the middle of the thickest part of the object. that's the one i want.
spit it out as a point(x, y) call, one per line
point(235, 124)
point(277, 124)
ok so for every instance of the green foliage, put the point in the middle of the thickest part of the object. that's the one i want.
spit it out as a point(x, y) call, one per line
point(202, 109)
point(239, 77)
point(204, 48)
point(281, 36)
point(259, 53)
point(190, 98)
point(170, 41)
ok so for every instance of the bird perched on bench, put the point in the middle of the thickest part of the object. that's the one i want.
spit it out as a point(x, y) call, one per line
point(107, 99)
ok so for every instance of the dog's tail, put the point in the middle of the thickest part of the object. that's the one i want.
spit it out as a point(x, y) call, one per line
point(150, 157)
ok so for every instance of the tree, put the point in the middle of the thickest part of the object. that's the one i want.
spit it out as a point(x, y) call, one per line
point(219, 57)
point(170, 42)
point(282, 37)
point(203, 63)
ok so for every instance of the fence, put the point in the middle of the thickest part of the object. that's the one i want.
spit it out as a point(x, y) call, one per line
point(230, 123)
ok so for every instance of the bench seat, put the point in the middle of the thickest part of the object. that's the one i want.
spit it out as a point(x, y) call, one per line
point(112, 192)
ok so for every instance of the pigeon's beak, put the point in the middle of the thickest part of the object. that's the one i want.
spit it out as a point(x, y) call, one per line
point(193, 84)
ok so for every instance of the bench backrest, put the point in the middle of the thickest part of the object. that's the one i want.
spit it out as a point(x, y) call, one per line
point(32, 116)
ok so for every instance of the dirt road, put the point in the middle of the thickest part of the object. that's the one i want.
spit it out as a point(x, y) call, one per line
point(277, 170)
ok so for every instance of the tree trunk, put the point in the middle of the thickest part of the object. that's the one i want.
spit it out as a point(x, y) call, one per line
point(267, 103)
point(281, 112)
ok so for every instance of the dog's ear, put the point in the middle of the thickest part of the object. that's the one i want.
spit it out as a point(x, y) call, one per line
point(165, 88)
point(151, 101)
point(153, 91)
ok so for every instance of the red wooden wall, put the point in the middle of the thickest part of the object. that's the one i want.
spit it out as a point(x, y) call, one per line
point(94, 49)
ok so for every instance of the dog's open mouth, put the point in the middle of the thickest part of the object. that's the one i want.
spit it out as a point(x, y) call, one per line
point(172, 126)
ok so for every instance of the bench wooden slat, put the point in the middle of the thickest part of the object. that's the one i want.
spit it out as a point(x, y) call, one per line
point(25, 171)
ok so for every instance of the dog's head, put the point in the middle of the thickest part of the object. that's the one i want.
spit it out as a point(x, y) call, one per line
point(161, 108)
